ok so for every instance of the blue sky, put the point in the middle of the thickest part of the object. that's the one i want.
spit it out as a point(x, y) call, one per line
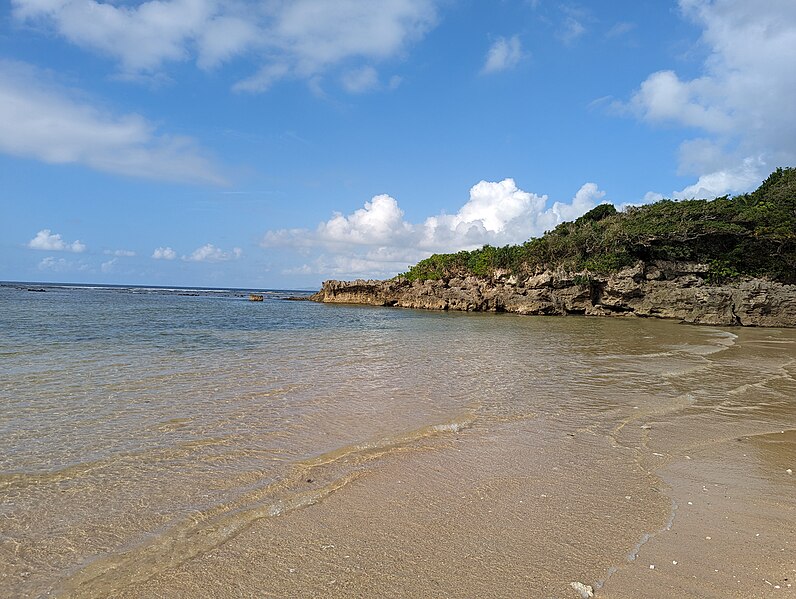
point(277, 144)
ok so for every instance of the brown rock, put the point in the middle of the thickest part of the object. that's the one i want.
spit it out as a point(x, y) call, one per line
point(661, 290)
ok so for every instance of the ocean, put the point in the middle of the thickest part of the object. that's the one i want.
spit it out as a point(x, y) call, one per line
point(189, 442)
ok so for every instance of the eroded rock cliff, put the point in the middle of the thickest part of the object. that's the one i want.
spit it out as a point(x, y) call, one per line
point(675, 290)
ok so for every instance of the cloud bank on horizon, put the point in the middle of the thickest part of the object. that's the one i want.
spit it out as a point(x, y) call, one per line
point(169, 98)
point(377, 239)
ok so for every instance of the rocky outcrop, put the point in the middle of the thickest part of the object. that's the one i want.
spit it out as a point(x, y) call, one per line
point(681, 291)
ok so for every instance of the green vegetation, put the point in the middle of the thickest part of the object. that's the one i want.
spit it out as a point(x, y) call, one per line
point(750, 234)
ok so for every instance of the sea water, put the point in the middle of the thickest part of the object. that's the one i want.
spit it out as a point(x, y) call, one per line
point(141, 428)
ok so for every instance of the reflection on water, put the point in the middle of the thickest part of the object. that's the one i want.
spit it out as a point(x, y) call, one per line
point(143, 427)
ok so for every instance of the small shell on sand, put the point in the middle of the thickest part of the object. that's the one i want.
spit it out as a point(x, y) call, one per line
point(585, 590)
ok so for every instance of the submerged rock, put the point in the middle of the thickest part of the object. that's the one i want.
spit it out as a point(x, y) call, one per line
point(681, 291)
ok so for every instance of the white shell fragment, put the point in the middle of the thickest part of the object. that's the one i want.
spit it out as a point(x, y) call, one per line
point(585, 590)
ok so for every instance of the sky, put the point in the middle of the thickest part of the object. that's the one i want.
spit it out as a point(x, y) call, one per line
point(280, 143)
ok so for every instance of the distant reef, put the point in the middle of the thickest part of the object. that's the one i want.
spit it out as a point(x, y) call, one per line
point(727, 261)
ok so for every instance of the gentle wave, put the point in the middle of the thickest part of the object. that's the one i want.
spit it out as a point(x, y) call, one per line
point(202, 531)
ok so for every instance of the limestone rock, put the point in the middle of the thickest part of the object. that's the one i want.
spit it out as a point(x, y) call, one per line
point(676, 290)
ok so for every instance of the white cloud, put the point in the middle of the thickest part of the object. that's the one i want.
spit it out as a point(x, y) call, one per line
point(164, 253)
point(496, 213)
point(395, 82)
point(380, 221)
point(571, 29)
point(141, 37)
point(40, 120)
point(263, 79)
point(315, 33)
point(619, 29)
point(224, 37)
point(210, 253)
point(664, 97)
point(504, 54)
point(53, 242)
point(120, 253)
point(55, 264)
point(366, 266)
point(587, 197)
point(301, 38)
point(107, 267)
point(376, 240)
point(650, 197)
point(357, 81)
point(722, 182)
point(61, 265)
point(741, 103)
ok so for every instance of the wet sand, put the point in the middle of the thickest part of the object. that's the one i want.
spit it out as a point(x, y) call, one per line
point(734, 532)
point(686, 499)
point(480, 514)
point(415, 455)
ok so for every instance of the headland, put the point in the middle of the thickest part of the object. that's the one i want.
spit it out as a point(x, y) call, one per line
point(727, 261)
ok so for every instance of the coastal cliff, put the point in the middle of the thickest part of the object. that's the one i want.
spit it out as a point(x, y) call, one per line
point(727, 261)
point(660, 289)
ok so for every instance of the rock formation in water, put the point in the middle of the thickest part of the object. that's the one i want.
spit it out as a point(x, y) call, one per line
point(677, 290)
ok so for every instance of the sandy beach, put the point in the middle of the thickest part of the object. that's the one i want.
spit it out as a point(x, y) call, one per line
point(690, 499)
point(470, 517)
point(336, 451)
point(398, 299)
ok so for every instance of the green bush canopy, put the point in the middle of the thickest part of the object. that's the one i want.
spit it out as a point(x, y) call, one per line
point(751, 234)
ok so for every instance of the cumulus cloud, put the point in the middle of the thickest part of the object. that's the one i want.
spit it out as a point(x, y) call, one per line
point(742, 101)
point(107, 267)
point(504, 54)
point(210, 253)
point(41, 120)
point(724, 181)
point(53, 242)
point(377, 240)
point(299, 38)
point(379, 221)
point(664, 97)
point(164, 253)
point(120, 253)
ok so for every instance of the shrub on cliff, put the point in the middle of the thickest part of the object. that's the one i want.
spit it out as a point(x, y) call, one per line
point(750, 234)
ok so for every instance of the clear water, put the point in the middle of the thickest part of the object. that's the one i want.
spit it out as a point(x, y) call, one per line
point(169, 420)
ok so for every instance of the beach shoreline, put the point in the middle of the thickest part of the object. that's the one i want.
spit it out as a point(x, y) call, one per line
point(385, 453)
point(645, 505)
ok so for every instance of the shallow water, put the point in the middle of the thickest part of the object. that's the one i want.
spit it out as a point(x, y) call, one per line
point(145, 432)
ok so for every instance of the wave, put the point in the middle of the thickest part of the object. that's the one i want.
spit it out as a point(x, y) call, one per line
point(201, 531)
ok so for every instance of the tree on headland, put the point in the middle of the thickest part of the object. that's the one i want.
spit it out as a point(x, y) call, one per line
point(752, 234)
